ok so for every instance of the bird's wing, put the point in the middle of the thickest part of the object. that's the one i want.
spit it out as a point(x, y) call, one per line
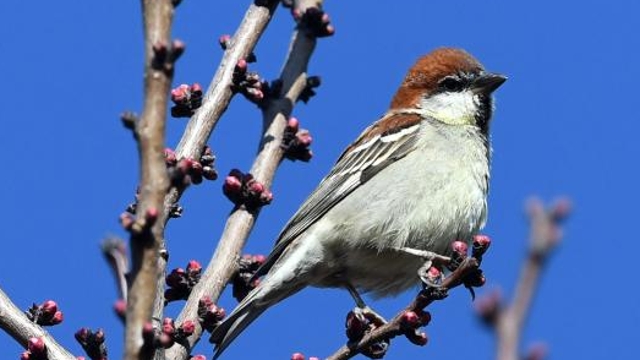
point(374, 150)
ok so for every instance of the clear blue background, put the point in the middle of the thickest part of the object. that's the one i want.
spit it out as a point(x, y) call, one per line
point(566, 123)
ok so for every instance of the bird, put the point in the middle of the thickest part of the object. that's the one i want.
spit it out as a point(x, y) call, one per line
point(412, 183)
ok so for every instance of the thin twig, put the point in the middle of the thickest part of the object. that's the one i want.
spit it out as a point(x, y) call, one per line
point(15, 323)
point(214, 104)
point(150, 131)
point(395, 326)
point(545, 235)
point(223, 264)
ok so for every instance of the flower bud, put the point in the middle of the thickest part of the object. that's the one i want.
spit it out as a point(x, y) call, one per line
point(36, 346)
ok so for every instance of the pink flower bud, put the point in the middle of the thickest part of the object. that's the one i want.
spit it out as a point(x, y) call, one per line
point(224, 41)
point(459, 247)
point(151, 215)
point(232, 185)
point(481, 240)
point(293, 124)
point(57, 318)
point(410, 319)
point(26, 355)
point(188, 327)
point(36, 346)
point(99, 336)
point(297, 356)
point(205, 301)
point(177, 96)
point(82, 335)
point(196, 89)
point(148, 331)
point(241, 66)
point(198, 357)
point(256, 187)
point(195, 168)
point(168, 327)
point(194, 266)
point(166, 340)
point(434, 272)
point(176, 277)
point(49, 307)
point(258, 259)
point(266, 197)
point(120, 307)
point(330, 30)
point(304, 138)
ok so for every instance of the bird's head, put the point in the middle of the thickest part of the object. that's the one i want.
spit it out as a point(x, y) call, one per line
point(450, 86)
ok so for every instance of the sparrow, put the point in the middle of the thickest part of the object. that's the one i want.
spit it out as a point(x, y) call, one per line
point(412, 183)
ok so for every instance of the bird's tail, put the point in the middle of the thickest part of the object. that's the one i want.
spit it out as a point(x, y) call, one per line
point(267, 294)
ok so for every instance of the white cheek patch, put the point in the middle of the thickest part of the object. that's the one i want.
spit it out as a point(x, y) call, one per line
point(455, 108)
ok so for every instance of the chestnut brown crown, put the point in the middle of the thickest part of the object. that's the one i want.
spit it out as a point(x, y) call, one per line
point(423, 77)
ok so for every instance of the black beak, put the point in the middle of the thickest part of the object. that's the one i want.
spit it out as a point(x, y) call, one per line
point(487, 83)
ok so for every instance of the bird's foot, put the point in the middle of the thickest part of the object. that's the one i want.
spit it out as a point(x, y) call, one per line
point(361, 321)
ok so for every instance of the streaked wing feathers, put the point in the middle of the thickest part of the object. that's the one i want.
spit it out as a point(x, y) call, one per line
point(367, 157)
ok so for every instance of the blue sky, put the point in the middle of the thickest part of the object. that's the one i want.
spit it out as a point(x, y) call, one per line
point(566, 124)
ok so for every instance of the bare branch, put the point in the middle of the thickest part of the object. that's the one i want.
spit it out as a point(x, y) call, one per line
point(15, 323)
point(223, 264)
point(214, 104)
point(147, 232)
point(507, 320)
point(395, 326)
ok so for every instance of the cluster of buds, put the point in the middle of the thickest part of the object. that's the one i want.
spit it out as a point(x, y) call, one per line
point(480, 245)
point(92, 343)
point(225, 42)
point(309, 92)
point(165, 55)
point(314, 21)
point(36, 350)
point(209, 314)
point(248, 83)
point(358, 324)
point(139, 224)
point(185, 171)
point(296, 142)
point(300, 356)
point(411, 322)
point(45, 314)
point(187, 98)
point(243, 281)
point(181, 281)
point(168, 334)
point(243, 189)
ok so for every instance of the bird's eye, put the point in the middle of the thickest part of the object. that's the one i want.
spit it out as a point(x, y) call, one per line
point(451, 84)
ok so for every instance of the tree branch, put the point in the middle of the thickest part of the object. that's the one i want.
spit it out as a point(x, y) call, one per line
point(214, 104)
point(147, 232)
point(223, 264)
point(396, 326)
point(15, 323)
point(507, 321)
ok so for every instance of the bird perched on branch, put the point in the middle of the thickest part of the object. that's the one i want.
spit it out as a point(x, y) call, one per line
point(412, 183)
